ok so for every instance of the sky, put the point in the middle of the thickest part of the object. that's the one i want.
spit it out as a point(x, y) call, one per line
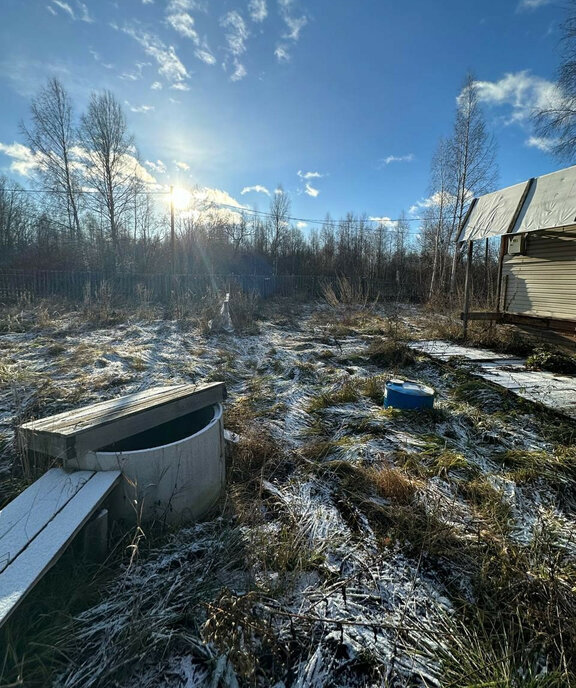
point(341, 103)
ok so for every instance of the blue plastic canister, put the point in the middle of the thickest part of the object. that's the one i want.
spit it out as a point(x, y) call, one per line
point(408, 395)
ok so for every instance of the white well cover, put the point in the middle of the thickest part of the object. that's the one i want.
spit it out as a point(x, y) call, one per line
point(551, 202)
point(492, 214)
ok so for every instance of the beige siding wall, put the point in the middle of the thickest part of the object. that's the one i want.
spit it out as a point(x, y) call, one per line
point(542, 282)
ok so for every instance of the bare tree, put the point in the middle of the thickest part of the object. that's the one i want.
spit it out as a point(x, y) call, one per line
point(472, 155)
point(401, 235)
point(51, 136)
point(278, 225)
point(111, 161)
point(438, 225)
point(556, 120)
point(16, 216)
point(238, 232)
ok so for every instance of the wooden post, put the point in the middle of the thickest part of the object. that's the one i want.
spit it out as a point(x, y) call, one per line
point(467, 289)
point(487, 272)
point(499, 278)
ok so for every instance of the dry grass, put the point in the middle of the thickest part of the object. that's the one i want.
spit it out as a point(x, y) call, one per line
point(392, 484)
point(374, 389)
point(503, 338)
point(488, 501)
point(558, 468)
point(210, 594)
point(388, 353)
point(345, 394)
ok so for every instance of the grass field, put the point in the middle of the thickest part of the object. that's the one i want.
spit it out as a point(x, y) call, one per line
point(355, 545)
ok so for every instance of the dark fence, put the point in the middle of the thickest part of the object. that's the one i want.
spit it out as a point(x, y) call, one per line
point(83, 286)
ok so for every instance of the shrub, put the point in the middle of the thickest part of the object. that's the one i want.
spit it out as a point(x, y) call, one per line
point(554, 361)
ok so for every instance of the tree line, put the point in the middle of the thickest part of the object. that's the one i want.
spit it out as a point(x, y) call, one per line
point(94, 208)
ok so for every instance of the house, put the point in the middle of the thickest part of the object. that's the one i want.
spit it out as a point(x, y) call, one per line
point(536, 223)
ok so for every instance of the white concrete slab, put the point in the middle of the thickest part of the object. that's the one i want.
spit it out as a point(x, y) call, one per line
point(557, 392)
point(446, 350)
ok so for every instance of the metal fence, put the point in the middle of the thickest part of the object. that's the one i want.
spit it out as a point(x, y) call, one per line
point(82, 286)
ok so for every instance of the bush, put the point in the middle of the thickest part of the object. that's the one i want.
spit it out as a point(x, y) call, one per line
point(554, 361)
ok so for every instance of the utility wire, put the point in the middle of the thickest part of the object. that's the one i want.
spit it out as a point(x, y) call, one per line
point(251, 211)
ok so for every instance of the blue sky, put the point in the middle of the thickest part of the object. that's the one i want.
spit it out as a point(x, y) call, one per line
point(342, 103)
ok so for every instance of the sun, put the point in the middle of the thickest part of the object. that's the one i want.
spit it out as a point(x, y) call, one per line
point(181, 198)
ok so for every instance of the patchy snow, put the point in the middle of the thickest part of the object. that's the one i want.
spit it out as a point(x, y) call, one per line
point(363, 611)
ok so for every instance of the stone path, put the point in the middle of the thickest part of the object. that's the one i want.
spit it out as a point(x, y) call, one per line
point(557, 392)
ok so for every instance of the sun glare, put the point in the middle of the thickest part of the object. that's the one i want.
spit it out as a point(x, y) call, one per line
point(181, 198)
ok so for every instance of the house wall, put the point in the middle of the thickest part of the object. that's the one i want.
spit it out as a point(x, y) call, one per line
point(542, 283)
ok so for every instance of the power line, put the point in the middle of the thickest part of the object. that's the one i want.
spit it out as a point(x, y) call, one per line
point(381, 224)
point(321, 222)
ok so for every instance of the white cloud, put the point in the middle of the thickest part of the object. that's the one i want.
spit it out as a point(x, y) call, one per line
point(140, 108)
point(521, 92)
point(533, 4)
point(209, 205)
point(147, 2)
point(542, 143)
point(98, 58)
point(397, 158)
point(170, 66)
point(293, 23)
point(65, 7)
point(136, 74)
point(237, 33)
point(309, 190)
point(258, 10)
point(81, 14)
point(84, 14)
point(132, 166)
point(182, 165)
point(204, 55)
point(183, 23)
point(156, 86)
point(180, 86)
point(434, 201)
point(257, 188)
point(385, 221)
point(216, 196)
point(52, 10)
point(186, 5)
point(301, 225)
point(282, 54)
point(159, 167)
point(128, 165)
point(239, 71)
point(24, 162)
point(309, 175)
point(236, 37)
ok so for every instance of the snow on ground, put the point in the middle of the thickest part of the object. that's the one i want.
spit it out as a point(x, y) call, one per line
point(367, 605)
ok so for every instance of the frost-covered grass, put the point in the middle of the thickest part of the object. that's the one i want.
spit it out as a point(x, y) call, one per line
point(355, 546)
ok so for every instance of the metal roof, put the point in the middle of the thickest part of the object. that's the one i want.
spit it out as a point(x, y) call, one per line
point(541, 203)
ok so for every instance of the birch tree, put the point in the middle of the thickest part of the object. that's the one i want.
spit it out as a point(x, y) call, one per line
point(278, 223)
point(472, 156)
point(555, 119)
point(51, 136)
point(110, 161)
point(438, 218)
